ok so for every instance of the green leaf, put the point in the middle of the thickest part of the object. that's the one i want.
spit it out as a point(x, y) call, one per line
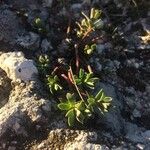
point(93, 47)
point(92, 13)
point(79, 116)
point(99, 95)
point(106, 105)
point(89, 51)
point(78, 81)
point(88, 113)
point(97, 14)
point(107, 99)
point(91, 84)
point(70, 97)
point(81, 106)
point(81, 73)
point(64, 106)
point(71, 117)
point(98, 24)
point(91, 101)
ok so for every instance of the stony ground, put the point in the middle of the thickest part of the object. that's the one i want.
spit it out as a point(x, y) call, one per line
point(28, 115)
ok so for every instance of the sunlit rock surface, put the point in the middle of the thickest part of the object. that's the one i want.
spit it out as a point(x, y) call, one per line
point(17, 66)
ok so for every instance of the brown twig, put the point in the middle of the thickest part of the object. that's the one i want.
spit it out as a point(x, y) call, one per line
point(76, 84)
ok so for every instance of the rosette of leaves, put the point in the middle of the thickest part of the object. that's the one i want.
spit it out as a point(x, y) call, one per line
point(85, 79)
point(99, 103)
point(53, 83)
point(74, 109)
point(89, 49)
point(91, 23)
point(43, 63)
point(39, 25)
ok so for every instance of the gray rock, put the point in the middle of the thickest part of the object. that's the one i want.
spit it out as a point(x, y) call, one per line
point(47, 3)
point(10, 26)
point(17, 66)
point(140, 146)
point(98, 65)
point(137, 134)
point(22, 110)
point(46, 45)
point(29, 41)
point(5, 88)
point(146, 134)
point(83, 141)
point(100, 48)
point(25, 4)
point(112, 119)
point(136, 113)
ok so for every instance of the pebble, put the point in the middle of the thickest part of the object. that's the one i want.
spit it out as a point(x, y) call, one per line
point(140, 146)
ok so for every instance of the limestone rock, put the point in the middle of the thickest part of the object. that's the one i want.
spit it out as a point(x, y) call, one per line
point(22, 110)
point(17, 67)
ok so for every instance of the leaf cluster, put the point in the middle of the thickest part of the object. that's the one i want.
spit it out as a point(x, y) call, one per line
point(89, 24)
point(53, 83)
point(81, 105)
point(43, 63)
point(39, 25)
point(89, 49)
point(80, 111)
point(85, 79)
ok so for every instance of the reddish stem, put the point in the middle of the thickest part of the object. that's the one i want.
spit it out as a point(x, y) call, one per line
point(67, 79)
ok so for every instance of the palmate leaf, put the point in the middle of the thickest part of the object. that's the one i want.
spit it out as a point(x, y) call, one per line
point(52, 82)
point(99, 103)
point(85, 79)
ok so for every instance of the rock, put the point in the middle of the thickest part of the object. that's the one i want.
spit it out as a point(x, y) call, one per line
point(23, 4)
point(100, 48)
point(112, 119)
point(137, 134)
point(111, 66)
point(84, 146)
point(146, 134)
point(22, 110)
point(11, 148)
point(5, 88)
point(98, 65)
point(17, 67)
point(46, 45)
point(47, 3)
point(29, 41)
point(68, 139)
point(140, 146)
point(83, 141)
point(134, 63)
point(10, 26)
point(75, 7)
point(136, 113)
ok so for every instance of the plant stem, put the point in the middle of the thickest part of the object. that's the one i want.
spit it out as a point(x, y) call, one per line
point(76, 85)
point(87, 32)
